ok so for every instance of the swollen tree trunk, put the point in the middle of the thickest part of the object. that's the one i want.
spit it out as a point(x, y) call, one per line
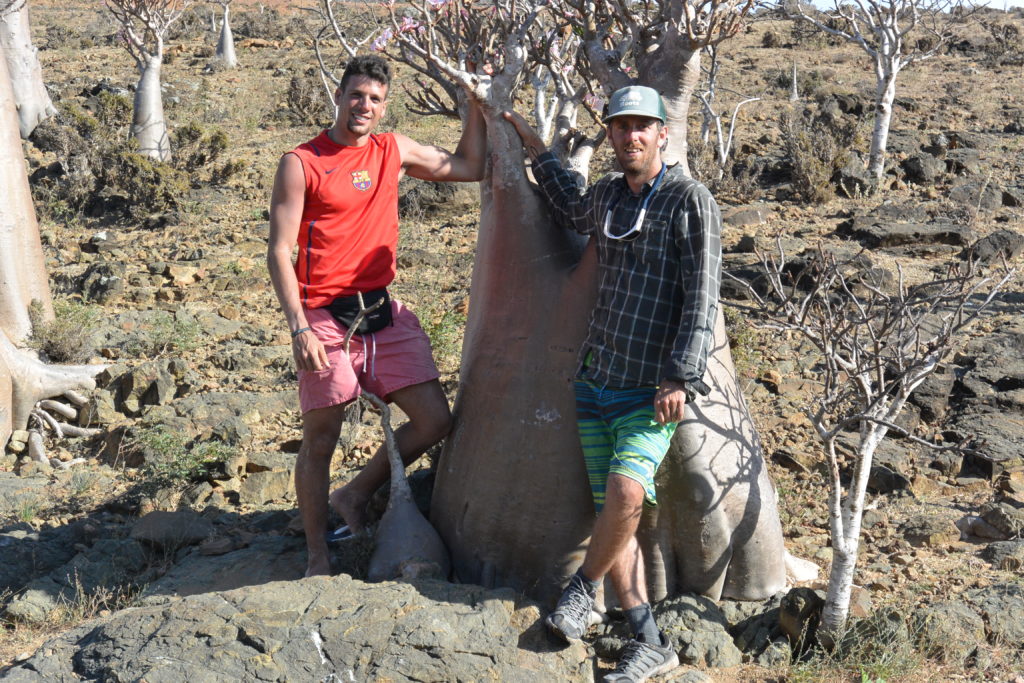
point(22, 275)
point(716, 529)
point(226, 45)
point(26, 76)
point(24, 380)
point(148, 125)
point(511, 499)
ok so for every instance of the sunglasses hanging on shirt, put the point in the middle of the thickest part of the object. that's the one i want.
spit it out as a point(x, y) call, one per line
point(639, 223)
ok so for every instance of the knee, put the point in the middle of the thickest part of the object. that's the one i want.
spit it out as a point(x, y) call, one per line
point(624, 493)
point(319, 444)
point(438, 424)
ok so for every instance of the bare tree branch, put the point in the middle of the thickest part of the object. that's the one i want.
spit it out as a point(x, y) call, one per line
point(877, 342)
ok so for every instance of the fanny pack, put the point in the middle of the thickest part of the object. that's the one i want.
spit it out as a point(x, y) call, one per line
point(346, 308)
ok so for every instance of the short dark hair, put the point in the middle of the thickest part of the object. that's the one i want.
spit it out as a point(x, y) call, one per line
point(371, 66)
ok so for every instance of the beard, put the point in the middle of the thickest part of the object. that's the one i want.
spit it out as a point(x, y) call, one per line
point(638, 164)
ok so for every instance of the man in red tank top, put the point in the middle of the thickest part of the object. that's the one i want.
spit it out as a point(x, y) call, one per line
point(336, 197)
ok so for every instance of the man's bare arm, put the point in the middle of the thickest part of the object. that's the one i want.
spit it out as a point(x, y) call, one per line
point(466, 163)
point(286, 204)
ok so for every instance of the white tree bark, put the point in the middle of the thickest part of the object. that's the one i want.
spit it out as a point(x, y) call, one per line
point(24, 380)
point(22, 276)
point(226, 45)
point(149, 127)
point(26, 76)
point(885, 95)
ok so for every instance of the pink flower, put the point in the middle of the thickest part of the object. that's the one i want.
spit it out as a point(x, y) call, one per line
point(381, 43)
point(409, 24)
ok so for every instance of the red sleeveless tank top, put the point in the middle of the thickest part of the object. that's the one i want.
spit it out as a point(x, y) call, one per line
point(349, 231)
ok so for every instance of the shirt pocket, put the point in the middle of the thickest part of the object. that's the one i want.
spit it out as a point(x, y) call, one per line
point(649, 247)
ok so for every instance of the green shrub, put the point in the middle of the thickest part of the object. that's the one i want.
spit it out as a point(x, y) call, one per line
point(172, 462)
point(877, 648)
point(67, 338)
point(445, 331)
point(163, 333)
point(817, 144)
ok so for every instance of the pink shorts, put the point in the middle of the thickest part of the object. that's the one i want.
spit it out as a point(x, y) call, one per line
point(395, 357)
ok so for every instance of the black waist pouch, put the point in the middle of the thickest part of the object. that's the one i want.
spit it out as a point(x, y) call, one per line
point(346, 308)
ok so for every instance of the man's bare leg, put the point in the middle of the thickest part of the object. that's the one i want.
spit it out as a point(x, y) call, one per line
point(628, 578)
point(320, 430)
point(615, 529)
point(430, 420)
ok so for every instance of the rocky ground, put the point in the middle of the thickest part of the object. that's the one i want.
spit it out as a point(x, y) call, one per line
point(187, 491)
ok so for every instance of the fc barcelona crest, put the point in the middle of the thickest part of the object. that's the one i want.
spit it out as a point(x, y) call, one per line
point(361, 180)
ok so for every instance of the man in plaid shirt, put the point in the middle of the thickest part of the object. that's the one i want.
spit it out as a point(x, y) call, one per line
point(658, 238)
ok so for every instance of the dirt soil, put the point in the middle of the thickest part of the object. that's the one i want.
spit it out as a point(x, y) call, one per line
point(226, 227)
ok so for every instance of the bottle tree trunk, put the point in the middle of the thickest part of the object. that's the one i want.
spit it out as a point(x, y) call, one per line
point(26, 76)
point(675, 75)
point(149, 127)
point(24, 380)
point(226, 45)
point(512, 500)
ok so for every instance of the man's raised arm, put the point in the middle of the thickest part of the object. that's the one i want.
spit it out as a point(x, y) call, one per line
point(466, 163)
point(566, 197)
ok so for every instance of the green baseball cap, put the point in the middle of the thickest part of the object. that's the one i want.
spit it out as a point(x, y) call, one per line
point(635, 100)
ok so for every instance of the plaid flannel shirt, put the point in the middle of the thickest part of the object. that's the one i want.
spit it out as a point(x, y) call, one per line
point(658, 291)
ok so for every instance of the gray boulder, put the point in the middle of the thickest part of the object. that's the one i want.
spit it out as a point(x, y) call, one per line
point(923, 169)
point(1005, 555)
point(1000, 244)
point(171, 530)
point(110, 564)
point(948, 630)
point(698, 630)
point(874, 231)
point(1002, 607)
point(317, 629)
point(929, 531)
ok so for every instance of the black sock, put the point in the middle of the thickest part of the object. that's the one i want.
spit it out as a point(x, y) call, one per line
point(591, 586)
point(641, 620)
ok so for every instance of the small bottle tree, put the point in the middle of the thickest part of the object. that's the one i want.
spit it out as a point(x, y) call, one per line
point(225, 54)
point(144, 24)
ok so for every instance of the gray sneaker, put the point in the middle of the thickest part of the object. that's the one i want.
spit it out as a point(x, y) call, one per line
point(572, 616)
point(642, 660)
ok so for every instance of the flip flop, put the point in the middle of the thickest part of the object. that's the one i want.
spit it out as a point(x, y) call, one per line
point(342, 533)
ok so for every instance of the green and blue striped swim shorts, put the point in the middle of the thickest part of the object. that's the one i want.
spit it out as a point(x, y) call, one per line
point(619, 435)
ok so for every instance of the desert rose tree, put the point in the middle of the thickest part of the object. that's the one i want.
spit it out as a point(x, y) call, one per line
point(511, 499)
point(26, 76)
point(144, 24)
point(876, 343)
point(656, 43)
point(25, 381)
point(894, 34)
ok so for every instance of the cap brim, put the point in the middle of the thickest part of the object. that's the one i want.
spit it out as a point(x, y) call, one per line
point(632, 112)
